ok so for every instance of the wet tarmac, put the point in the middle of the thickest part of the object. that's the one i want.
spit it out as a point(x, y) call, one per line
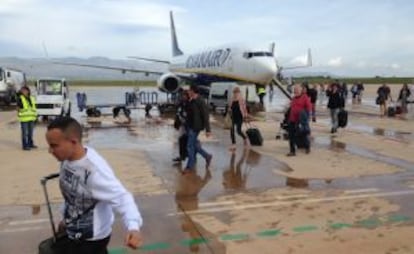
point(245, 171)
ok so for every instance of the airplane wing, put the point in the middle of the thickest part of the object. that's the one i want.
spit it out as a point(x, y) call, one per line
point(308, 62)
point(105, 67)
point(149, 59)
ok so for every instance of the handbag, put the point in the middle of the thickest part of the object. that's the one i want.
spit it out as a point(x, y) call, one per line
point(227, 121)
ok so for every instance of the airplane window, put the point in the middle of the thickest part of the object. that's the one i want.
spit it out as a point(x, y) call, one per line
point(247, 55)
point(262, 54)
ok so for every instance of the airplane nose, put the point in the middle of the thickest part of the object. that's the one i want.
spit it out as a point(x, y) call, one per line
point(268, 69)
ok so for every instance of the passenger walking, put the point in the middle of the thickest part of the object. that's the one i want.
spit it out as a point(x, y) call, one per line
point(403, 98)
point(238, 113)
point(300, 108)
point(313, 95)
point(335, 103)
point(354, 91)
point(384, 94)
point(360, 91)
point(27, 115)
point(198, 120)
point(180, 124)
point(91, 192)
point(322, 93)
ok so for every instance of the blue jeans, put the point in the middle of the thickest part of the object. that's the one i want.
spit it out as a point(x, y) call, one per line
point(334, 117)
point(27, 134)
point(194, 147)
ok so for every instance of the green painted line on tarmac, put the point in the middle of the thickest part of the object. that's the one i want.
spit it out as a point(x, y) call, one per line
point(340, 225)
point(369, 223)
point(118, 250)
point(305, 229)
point(235, 237)
point(155, 246)
point(399, 218)
point(194, 241)
point(269, 233)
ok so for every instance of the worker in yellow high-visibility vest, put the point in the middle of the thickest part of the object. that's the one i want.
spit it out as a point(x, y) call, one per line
point(27, 116)
point(261, 92)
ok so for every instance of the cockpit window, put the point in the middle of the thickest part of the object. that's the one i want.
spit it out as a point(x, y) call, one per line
point(256, 54)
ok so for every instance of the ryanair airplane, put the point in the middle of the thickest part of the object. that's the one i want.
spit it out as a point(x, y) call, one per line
point(226, 63)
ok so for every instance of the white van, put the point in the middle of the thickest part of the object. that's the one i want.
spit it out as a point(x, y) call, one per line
point(52, 97)
point(221, 92)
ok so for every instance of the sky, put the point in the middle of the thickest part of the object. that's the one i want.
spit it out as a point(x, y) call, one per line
point(347, 37)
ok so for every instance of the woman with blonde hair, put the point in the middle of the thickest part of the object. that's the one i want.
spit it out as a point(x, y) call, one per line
point(238, 113)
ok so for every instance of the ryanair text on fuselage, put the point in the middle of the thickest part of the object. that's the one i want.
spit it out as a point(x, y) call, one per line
point(213, 58)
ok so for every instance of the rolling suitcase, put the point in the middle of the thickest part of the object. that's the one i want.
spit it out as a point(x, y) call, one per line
point(391, 111)
point(342, 118)
point(254, 136)
point(57, 243)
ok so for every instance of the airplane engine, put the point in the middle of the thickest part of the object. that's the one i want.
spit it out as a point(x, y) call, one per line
point(168, 83)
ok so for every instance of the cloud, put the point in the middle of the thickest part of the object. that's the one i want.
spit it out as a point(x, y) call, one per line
point(299, 60)
point(395, 66)
point(335, 62)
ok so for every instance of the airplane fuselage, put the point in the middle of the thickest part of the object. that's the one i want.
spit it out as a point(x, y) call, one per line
point(227, 63)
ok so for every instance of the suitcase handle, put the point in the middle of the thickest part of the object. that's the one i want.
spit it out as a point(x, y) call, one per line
point(49, 209)
point(49, 177)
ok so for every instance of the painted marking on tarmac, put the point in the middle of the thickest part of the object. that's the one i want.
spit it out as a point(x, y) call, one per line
point(194, 241)
point(290, 197)
point(307, 228)
point(399, 218)
point(358, 191)
point(369, 223)
point(26, 222)
point(340, 225)
point(206, 204)
point(14, 230)
point(155, 246)
point(268, 233)
point(234, 237)
point(305, 201)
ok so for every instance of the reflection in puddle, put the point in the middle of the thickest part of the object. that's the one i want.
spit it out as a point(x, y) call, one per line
point(296, 182)
point(337, 146)
point(35, 209)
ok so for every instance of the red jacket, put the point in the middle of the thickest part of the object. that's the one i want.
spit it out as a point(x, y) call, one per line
point(298, 104)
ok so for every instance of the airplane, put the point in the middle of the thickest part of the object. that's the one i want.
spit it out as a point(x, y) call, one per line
point(232, 63)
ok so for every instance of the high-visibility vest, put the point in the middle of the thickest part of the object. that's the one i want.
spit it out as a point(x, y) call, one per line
point(261, 90)
point(28, 112)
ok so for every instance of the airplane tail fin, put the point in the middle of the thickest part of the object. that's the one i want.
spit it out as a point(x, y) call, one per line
point(309, 58)
point(176, 51)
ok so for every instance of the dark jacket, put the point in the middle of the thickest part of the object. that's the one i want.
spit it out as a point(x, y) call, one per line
point(335, 100)
point(313, 95)
point(198, 115)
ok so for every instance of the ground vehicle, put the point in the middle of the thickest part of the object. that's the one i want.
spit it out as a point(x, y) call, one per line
point(221, 92)
point(52, 97)
point(10, 83)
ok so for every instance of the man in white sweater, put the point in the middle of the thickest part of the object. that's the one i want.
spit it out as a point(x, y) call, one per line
point(91, 192)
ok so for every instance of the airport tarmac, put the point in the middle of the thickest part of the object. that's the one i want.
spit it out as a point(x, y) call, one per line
point(352, 193)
